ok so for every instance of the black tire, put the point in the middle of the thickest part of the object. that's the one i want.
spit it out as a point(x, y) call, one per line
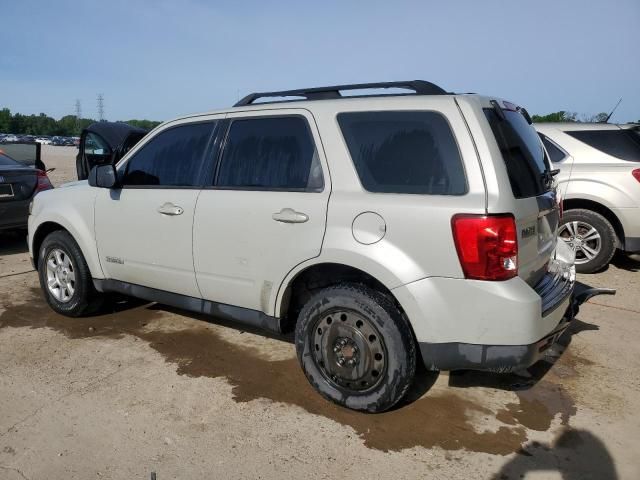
point(607, 240)
point(391, 347)
point(85, 299)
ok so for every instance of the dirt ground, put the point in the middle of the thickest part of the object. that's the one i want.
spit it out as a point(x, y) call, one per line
point(147, 388)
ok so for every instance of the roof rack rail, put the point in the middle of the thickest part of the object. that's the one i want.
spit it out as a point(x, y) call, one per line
point(421, 87)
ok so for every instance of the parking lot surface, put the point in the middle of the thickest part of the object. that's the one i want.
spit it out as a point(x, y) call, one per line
point(146, 388)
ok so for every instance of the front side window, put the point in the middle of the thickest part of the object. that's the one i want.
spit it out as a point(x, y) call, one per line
point(270, 153)
point(620, 143)
point(96, 145)
point(556, 154)
point(173, 158)
point(404, 152)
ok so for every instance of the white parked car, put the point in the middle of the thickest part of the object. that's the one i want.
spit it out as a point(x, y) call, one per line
point(43, 141)
point(599, 181)
point(384, 230)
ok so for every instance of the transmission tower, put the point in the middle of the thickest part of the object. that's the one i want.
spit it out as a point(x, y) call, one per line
point(78, 114)
point(100, 107)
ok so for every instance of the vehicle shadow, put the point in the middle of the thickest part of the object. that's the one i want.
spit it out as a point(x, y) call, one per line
point(575, 454)
point(624, 261)
point(13, 242)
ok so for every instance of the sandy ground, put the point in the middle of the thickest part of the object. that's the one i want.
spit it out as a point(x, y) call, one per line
point(149, 389)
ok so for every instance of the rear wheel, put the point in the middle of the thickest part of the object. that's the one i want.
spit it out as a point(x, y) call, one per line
point(356, 348)
point(65, 278)
point(591, 237)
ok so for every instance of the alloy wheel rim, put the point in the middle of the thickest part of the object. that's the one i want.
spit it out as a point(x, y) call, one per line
point(348, 350)
point(583, 239)
point(61, 275)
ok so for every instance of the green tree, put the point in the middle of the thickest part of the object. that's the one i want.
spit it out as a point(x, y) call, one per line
point(5, 120)
point(561, 116)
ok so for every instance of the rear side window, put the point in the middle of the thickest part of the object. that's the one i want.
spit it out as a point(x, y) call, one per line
point(556, 154)
point(271, 153)
point(404, 152)
point(623, 144)
point(173, 158)
point(522, 153)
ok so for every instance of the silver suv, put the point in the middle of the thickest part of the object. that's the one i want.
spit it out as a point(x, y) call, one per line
point(599, 182)
point(383, 230)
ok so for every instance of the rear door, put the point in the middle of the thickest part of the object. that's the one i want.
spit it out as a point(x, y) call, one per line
point(265, 212)
point(535, 206)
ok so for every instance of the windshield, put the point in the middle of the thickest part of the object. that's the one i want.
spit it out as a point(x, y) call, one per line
point(522, 152)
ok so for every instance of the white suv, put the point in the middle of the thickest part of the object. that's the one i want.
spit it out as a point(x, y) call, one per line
point(384, 230)
point(599, 183)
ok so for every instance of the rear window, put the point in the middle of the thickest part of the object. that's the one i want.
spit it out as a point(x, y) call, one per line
point(522, 153)
point(404, 152)
point(6, 161)
point(623, 144)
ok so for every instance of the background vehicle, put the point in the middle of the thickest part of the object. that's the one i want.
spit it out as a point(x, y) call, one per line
point(19, 183)
point(600, 183)
point(358, 222)
point(104, 143)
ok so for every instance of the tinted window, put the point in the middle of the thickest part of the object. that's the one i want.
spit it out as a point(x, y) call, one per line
point(270, 153)
point(623, 144)
point(522, 153)
point(555, 153)
point(4, 161)
point(95, 145)
point(171, 158)
point(404, 152)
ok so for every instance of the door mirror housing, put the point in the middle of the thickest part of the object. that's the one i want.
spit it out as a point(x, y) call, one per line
point(103, 176)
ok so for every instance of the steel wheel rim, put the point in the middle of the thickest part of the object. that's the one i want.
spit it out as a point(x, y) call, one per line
point(348, 350)
point(61, 275)
point(583, 239)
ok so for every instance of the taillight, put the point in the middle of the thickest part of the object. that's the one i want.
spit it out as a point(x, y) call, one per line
point(43, 182)
point(487, 246)
point(636, 174)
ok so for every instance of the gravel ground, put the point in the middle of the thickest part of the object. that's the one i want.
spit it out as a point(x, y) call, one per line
point(147, 388)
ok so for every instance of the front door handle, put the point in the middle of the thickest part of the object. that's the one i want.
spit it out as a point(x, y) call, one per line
point(169, 208)
point(289, 215)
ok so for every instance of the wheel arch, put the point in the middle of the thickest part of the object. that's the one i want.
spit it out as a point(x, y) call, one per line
point(301, 283)
point(49, 226)
point(586, 204)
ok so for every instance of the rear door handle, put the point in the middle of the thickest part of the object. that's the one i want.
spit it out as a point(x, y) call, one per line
point(169, 208)
point(289, 215)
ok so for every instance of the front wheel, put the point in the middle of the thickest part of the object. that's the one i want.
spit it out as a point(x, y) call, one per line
point(356, 348)
point(65, 278)
point(591, 236)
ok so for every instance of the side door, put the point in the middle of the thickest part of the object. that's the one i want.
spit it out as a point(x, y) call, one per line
point(144, 229)
point(266, 210)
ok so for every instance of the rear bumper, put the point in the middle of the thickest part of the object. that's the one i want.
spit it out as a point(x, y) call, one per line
point(501, 358)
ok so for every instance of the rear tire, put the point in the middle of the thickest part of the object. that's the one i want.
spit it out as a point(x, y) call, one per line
point(65, 278)
point(591, 236)
point(356, 348)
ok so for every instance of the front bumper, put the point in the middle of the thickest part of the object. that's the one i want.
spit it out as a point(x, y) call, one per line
point(502, 358)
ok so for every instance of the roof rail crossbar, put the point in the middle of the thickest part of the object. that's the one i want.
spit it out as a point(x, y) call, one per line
point(420, 87)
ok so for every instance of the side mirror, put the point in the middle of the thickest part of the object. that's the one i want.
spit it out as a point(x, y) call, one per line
point(103, 176)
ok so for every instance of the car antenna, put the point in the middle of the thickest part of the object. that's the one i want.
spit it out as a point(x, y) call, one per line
point(614, 109)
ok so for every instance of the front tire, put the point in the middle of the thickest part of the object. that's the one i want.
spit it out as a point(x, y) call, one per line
point(591, 236)
point(65, 278)
point(356, 348)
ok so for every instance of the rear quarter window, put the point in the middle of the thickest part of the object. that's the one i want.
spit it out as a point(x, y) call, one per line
point(623, 144)
point(411, 152)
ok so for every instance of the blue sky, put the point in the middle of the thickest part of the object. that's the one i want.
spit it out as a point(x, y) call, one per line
point(160, 59)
